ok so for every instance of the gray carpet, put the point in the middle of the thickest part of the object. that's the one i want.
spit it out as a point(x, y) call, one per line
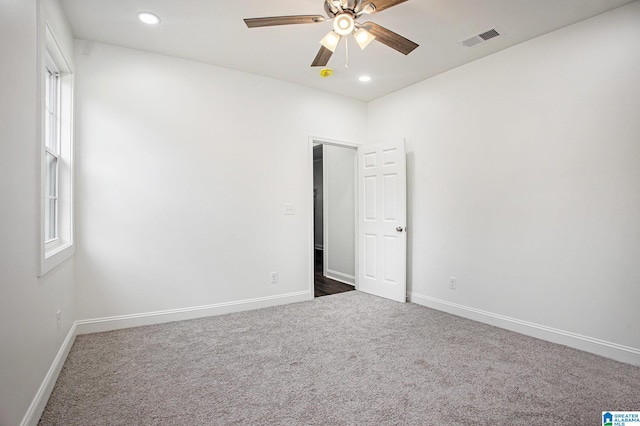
point(345, 359)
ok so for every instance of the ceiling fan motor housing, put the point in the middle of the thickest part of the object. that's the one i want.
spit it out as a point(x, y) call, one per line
point(332, 9)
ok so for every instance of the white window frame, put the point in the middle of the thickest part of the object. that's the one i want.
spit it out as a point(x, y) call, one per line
point(56, 141)
point(51, 150)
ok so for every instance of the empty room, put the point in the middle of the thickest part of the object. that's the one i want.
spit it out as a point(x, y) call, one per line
point(178, 175)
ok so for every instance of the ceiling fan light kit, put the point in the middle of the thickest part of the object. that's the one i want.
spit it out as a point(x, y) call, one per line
point(343, 24)
point(344, 14)
point(330, 41)
point(363, 37)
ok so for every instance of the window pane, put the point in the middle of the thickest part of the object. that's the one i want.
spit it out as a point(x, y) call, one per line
point(51, 207)
point(52, 115)
point(47, 109)
point(47, 88)
point(51, 140)
point(52, 175)
point(51, 197)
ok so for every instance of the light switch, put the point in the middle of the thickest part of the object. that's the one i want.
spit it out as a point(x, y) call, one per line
point(289, 209)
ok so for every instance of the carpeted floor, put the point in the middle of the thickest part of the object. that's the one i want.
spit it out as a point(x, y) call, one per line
point(347, 359)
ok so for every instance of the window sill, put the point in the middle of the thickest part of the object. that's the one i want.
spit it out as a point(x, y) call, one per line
point(54, 257)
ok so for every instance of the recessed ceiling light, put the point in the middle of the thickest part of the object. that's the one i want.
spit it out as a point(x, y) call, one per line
point(364, 78)
point(148, 18)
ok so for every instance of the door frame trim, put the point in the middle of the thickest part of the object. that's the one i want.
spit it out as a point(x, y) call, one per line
point(310, 246)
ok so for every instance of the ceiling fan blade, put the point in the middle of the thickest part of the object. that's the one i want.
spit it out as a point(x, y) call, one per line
point(283, 20)
point(322, 57)
point(391, 39)
point(380, 5)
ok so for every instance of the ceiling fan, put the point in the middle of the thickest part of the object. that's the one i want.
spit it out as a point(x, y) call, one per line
point(344, 14)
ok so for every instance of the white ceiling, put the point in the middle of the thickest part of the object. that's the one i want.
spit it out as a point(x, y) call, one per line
point(212, 31)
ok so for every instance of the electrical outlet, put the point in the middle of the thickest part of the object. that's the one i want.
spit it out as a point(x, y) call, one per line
point(58, 319)
point(274, 277)
point(289, 209)
point(453, 282)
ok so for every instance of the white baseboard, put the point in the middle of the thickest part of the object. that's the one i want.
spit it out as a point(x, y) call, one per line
point(148, 318)
point(588, 344)
point(339, 276)
point(32, 417)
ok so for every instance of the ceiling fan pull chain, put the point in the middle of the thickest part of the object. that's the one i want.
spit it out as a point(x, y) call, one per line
point(346, 49)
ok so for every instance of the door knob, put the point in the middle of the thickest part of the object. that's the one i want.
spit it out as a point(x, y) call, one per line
point(399, 229)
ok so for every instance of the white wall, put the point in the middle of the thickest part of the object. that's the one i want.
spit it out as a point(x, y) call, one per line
point(29, 337)
point(339, 166)
point(184, 170)
point(524, 180)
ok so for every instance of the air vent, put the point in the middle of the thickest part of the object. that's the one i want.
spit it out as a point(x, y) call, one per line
point(480, 38)
point(488, 35)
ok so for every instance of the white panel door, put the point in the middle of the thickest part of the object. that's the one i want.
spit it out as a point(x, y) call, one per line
point(382, 217)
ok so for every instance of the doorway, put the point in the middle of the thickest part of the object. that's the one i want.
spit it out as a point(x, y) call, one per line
point(334, 219)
